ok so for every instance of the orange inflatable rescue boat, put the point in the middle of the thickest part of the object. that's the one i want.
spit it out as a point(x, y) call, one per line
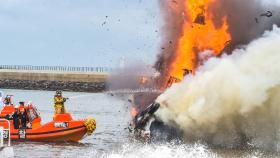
point(63, 128)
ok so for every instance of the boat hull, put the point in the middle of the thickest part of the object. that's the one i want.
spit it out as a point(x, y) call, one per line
point(63, 128)
point(74, 134)
point(54, 131)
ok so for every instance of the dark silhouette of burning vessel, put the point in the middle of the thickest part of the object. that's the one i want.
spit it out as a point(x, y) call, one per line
point(149, 127)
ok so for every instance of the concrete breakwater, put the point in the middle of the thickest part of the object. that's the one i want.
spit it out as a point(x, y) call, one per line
point(52, 80)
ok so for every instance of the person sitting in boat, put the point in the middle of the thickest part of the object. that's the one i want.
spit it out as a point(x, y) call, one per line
point(59, 101)
point(23, 118)
point(21, 106)
point(15, 117)
point(22, 115)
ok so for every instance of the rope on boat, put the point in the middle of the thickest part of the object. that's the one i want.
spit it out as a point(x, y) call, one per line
point(90, 124)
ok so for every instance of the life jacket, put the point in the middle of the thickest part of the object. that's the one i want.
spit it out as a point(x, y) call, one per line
point(59, 100)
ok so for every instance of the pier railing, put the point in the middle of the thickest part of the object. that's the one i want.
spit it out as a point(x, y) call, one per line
point(56, 68)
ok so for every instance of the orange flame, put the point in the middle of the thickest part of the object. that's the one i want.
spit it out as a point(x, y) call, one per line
point(133, 111)
point(199, 34)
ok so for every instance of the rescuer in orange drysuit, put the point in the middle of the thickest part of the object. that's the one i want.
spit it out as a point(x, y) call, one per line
point(59, 101)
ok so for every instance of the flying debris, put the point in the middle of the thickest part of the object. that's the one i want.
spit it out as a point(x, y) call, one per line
point(187, 72)
point(200, 19)
point(267, 14)
point(103, 23)
point(172, 80)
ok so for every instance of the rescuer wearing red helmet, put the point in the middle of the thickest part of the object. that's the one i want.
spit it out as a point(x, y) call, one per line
point(21, 106)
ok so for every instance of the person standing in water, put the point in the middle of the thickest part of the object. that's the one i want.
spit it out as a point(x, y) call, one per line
point(59, 101)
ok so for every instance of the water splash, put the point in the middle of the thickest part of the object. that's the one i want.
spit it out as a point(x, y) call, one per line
point(162, 151)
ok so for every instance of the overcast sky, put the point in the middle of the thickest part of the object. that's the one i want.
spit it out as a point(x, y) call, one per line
point(78, 32)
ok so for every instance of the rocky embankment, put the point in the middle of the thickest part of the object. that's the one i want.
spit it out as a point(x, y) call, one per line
point(53, 85)
point(70, 81)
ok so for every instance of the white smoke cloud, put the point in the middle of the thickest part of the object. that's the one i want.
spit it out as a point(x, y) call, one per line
point(231, 100)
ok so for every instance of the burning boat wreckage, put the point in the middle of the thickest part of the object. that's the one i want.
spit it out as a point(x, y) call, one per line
point(148, 126)
point(145, 124)
point(184, 52)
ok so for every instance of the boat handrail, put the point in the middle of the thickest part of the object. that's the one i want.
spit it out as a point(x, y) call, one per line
point(9, 130)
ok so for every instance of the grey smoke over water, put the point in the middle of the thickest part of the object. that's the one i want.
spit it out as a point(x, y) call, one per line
point(128, 77)
point(232, 100)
